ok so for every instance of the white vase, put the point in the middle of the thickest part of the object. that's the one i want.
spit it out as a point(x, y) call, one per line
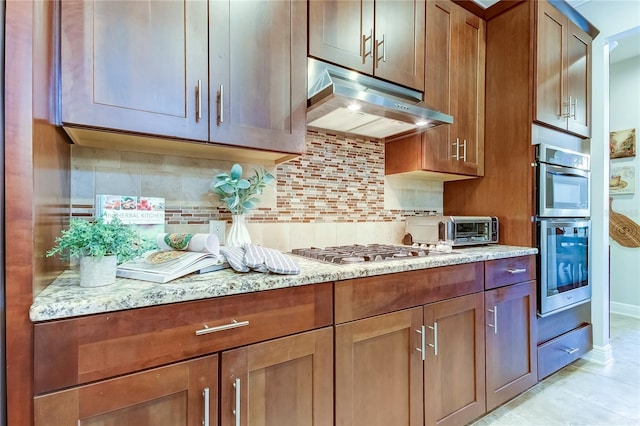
point(96, 271)
point(238, 234)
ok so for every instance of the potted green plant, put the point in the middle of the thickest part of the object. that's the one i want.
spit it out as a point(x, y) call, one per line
point(240, 196)
point(99, 245)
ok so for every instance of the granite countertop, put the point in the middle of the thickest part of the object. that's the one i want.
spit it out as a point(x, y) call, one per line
point(64, 298)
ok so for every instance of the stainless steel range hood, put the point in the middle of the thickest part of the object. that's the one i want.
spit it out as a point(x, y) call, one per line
point(348, 102)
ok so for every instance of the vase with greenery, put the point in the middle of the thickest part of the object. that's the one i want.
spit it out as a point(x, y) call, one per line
point(240, 196)
point(99, 245)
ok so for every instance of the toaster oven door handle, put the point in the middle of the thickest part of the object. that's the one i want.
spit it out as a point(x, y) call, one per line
point(516, 270)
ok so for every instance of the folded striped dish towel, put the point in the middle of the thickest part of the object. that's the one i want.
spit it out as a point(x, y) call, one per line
point(251, 257)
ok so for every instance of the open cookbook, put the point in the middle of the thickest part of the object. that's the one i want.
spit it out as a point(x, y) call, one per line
point(179, 255)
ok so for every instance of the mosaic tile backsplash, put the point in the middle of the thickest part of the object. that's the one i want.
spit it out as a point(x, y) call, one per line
point(336, 193)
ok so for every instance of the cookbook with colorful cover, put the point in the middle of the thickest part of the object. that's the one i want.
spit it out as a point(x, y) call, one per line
point(145, 213)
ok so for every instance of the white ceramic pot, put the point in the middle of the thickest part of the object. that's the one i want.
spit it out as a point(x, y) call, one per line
point(238, 234)
point(97, 271)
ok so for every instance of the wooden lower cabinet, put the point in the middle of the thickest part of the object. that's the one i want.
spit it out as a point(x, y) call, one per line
point(454, 387)
point(166, 396)
point(379, 371)
point(387, 375)
point(286, 381)
point(511, 365)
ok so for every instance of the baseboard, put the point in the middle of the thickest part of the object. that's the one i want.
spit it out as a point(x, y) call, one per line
point(602, 355)
point(625, 309)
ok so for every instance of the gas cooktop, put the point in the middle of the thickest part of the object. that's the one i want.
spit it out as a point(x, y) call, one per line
point(357, 253)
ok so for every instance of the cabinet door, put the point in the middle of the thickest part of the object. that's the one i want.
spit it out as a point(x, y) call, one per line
point(399, 44)
point(510, 341)
point(379, 371)
point(287, 381)
point(579, 80)
point(454, 361)
point(342, 32)
point(469, 95)
point(149, 76)
point(180, 394)
point(258, 63)
point(456, 57)
point(551, 77)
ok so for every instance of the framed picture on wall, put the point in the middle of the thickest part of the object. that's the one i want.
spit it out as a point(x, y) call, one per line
point(622, 180)
point(622, 143)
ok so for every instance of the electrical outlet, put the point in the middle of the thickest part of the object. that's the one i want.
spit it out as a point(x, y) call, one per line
point(217, 227)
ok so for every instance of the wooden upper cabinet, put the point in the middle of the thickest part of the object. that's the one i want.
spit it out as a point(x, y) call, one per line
point(380, 38)
point(563, 76)
point(454, 84)
point(258, 74)
point(137, 66)
point(182, 394)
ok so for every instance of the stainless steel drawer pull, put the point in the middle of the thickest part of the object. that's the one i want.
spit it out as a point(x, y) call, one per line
point(233, 324)
point(205, 395)
point(517, 270)
point(423, 339)
point(434, 327)
point(236, 410)
point(571, 351)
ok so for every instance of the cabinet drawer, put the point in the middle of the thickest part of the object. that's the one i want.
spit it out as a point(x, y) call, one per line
point(365, 297)
point(563, 350)
point(80, 350)
point(501, 272)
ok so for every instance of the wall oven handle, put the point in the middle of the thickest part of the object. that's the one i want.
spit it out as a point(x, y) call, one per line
point(517, 270)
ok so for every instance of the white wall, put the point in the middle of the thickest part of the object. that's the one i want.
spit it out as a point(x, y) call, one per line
point(610, 17)
point(624, 113)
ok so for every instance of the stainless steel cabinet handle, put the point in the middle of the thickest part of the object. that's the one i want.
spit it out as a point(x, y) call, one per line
point(457, 145)
point(221, 105)
point(423, 339)
point(199, 101)
point(434, 327)
point(236, 411)
point(571, 351)
point(516, 270)
point(566, 109)
point(232, 324)
point(464, 150)
point(495, 319)
point(364, 52)
point(575, 107)
point(205, 395)
point(384, 51)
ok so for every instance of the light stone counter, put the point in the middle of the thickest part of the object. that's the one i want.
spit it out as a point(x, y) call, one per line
point(64, 297)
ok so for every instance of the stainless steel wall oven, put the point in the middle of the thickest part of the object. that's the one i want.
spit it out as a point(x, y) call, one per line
point(564, 264)
point(564, 229)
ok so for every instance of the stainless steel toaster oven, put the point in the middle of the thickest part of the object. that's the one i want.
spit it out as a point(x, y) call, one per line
point(461, 230)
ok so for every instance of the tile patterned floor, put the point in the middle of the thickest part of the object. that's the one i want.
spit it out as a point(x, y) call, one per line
point(583, 393)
